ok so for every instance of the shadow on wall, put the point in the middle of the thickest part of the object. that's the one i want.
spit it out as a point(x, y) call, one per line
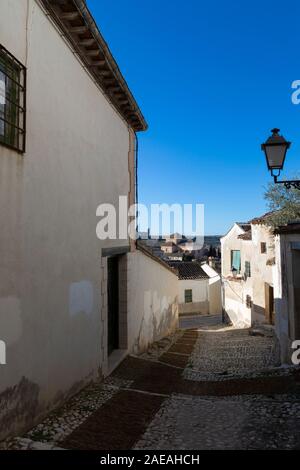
point(258, 314)
point(242, 316)
point(160, 319)
point(19, 405)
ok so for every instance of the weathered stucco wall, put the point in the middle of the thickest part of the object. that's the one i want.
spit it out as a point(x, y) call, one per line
point(235, 291)
point(262, 271)
point(50, 275)
point(230, 242)
point(235, 303)
point(200, 302)
point(286, 282)
point(214, 289)
point(152, 301)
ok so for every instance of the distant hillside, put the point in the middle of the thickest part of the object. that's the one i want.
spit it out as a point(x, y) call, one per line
point(213, 240)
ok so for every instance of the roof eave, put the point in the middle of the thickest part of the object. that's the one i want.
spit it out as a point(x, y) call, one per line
point(77, 25)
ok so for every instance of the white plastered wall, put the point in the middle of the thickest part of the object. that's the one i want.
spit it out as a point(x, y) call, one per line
point(50, 270)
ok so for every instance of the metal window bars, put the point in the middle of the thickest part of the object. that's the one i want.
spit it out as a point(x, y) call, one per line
point(12, 102)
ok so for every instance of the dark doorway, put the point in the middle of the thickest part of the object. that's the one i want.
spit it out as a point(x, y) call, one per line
point(113, 303)
point(269, 296)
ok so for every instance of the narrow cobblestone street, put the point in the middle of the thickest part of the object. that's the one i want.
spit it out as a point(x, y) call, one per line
point(207, 387)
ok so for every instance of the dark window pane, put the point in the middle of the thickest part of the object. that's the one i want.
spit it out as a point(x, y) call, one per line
point(263, 247)
point(188, 296)
point(247, 269)
point(12, 101)
point(236, 261)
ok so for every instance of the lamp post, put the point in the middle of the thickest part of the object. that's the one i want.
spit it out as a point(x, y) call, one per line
point(275, 149)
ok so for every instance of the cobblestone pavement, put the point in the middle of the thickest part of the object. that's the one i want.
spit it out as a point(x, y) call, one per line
point(186, 422)
point(224, 352)
point(210, 387)
point(62, 422)
point(200, 321)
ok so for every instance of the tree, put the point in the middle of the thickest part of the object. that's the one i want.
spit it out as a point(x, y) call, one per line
point(285, 204)
point(212, 252)
point(187, 257)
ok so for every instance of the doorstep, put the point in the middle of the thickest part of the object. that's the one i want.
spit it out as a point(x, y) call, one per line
point(115, 359)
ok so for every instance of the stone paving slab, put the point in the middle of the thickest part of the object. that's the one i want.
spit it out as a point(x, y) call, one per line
point(156, 377)
point(117, 424)
point(174, 359)
point(182, 348)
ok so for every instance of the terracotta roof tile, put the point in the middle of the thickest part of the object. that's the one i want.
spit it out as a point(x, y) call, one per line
point(244, 225)
point(263, 219)
point(189, 270)
point(246, 236)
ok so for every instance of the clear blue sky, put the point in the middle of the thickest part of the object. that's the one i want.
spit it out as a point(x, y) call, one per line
point(212, 78)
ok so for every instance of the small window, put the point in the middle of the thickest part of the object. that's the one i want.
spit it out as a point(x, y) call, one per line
point(236, 261)
point(188, 296)
point(248, 301)
point(263, 247)
point(247, 269)
point(12, 101)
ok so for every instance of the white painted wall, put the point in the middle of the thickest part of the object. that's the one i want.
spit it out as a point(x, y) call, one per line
point(214, 289)
point(262, 271)
point(230, 242)
point(236, 291)
point(152, 301)
point(200, 296)
point(285, 282)
point(50, 277)
point(235, 303)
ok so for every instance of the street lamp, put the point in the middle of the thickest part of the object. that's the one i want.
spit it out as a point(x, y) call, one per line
point(275, 149)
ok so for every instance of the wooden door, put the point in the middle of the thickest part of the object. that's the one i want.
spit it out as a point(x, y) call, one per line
point(113, 303)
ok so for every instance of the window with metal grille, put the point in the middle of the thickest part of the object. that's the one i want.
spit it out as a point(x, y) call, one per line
point(247, 269)
point(188, 296)
point(12, 101)
point(263, 247)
